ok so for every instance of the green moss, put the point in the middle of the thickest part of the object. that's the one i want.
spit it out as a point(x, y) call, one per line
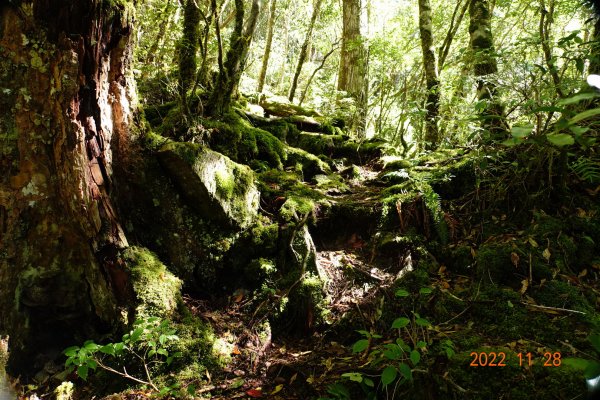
point(156, 290)
point(309, 164)
point(244, 143)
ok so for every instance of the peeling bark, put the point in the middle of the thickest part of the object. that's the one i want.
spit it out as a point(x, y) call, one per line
point(63, 65)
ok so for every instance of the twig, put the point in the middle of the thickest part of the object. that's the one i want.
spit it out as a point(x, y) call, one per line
point(552, 308)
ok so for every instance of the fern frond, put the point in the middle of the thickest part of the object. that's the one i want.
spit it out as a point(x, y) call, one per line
point(587, 169)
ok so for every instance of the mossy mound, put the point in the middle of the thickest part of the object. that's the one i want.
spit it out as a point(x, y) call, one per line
point(157, 291)
point(219, 188)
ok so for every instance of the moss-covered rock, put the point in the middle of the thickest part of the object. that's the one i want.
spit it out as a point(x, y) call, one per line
point(217, 187)
point(157, 291)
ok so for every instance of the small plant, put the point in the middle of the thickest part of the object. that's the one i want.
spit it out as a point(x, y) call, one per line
point(398, 358)
point(590, 366)
point(147, 344)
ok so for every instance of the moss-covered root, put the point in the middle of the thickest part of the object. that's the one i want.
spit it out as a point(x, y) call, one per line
point(157, 292)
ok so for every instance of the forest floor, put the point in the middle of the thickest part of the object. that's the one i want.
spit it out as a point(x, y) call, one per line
point(456, 274)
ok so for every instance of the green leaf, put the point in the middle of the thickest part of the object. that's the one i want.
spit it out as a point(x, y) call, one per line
point(163, 352)
point(392, 352)
point(406, 371)
point(592, 370)
point(136, 334)
point(82, 372)
point(415, 357)
point(512, 142)
point(353, 376)
point(389, 375)
point(402, 293)
point(584, 115)
point(521, 132)
point(577, 98)
point(71, 351)
point(369, 382)
point(576, 363)
point(400, 323)
point(90, 346)
point(560, 139)
point(108, 349)
point(421, 344)
point(360, 346)
point(578, 130)
point(119, 347)
point(365, 333)
point(422, 322)
point(92, 364)
point(595, 341)
point(151, 353)
point(425, 290)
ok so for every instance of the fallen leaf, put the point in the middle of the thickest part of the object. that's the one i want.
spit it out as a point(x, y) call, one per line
point(277, 389)
point(546, 254)
point(255, 392)
point(524, 285)
point(532, 242)
point(293, 378)
point(583, 273)
point(514, 258)
point(236, 350)
point(473, 253)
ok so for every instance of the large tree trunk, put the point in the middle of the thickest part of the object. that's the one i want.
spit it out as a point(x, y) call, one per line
point(267, 55)
point(66, 106)
point(352, 76)
point(431, 75)
point(482, 46)
point(304, 48)
point(229, 76)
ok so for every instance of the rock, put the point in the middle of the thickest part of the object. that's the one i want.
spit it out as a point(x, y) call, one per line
point(218, 188)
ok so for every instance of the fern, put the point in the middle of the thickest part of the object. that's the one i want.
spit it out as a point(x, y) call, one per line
point(587, 169)
point(433, 202)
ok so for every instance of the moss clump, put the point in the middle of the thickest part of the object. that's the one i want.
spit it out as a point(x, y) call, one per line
point(303, 309)
point(307, 163)
point(244, 143)
point(291, 198)
point(157, 291)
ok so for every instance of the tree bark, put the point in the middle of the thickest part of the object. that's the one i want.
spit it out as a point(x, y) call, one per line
point(188, 48)
point(304, 48)
point(352, 76)
point(268, 44)
point(67, 100)
point(482, 46)
point(229, 77)
point(432, 105)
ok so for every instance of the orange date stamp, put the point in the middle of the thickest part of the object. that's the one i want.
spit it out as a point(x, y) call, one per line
point(500, 359)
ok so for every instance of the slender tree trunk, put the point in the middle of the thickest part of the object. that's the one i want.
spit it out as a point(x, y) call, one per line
point(352, 77)
point(320, 67)
point(304, 49)
point(65, 117)
point(188, 48)
point(431, 75)
point(286, 50)
point(451, 34)
point(265, 61)
point(229, 77)
point(482, 46)
point(546, 19)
